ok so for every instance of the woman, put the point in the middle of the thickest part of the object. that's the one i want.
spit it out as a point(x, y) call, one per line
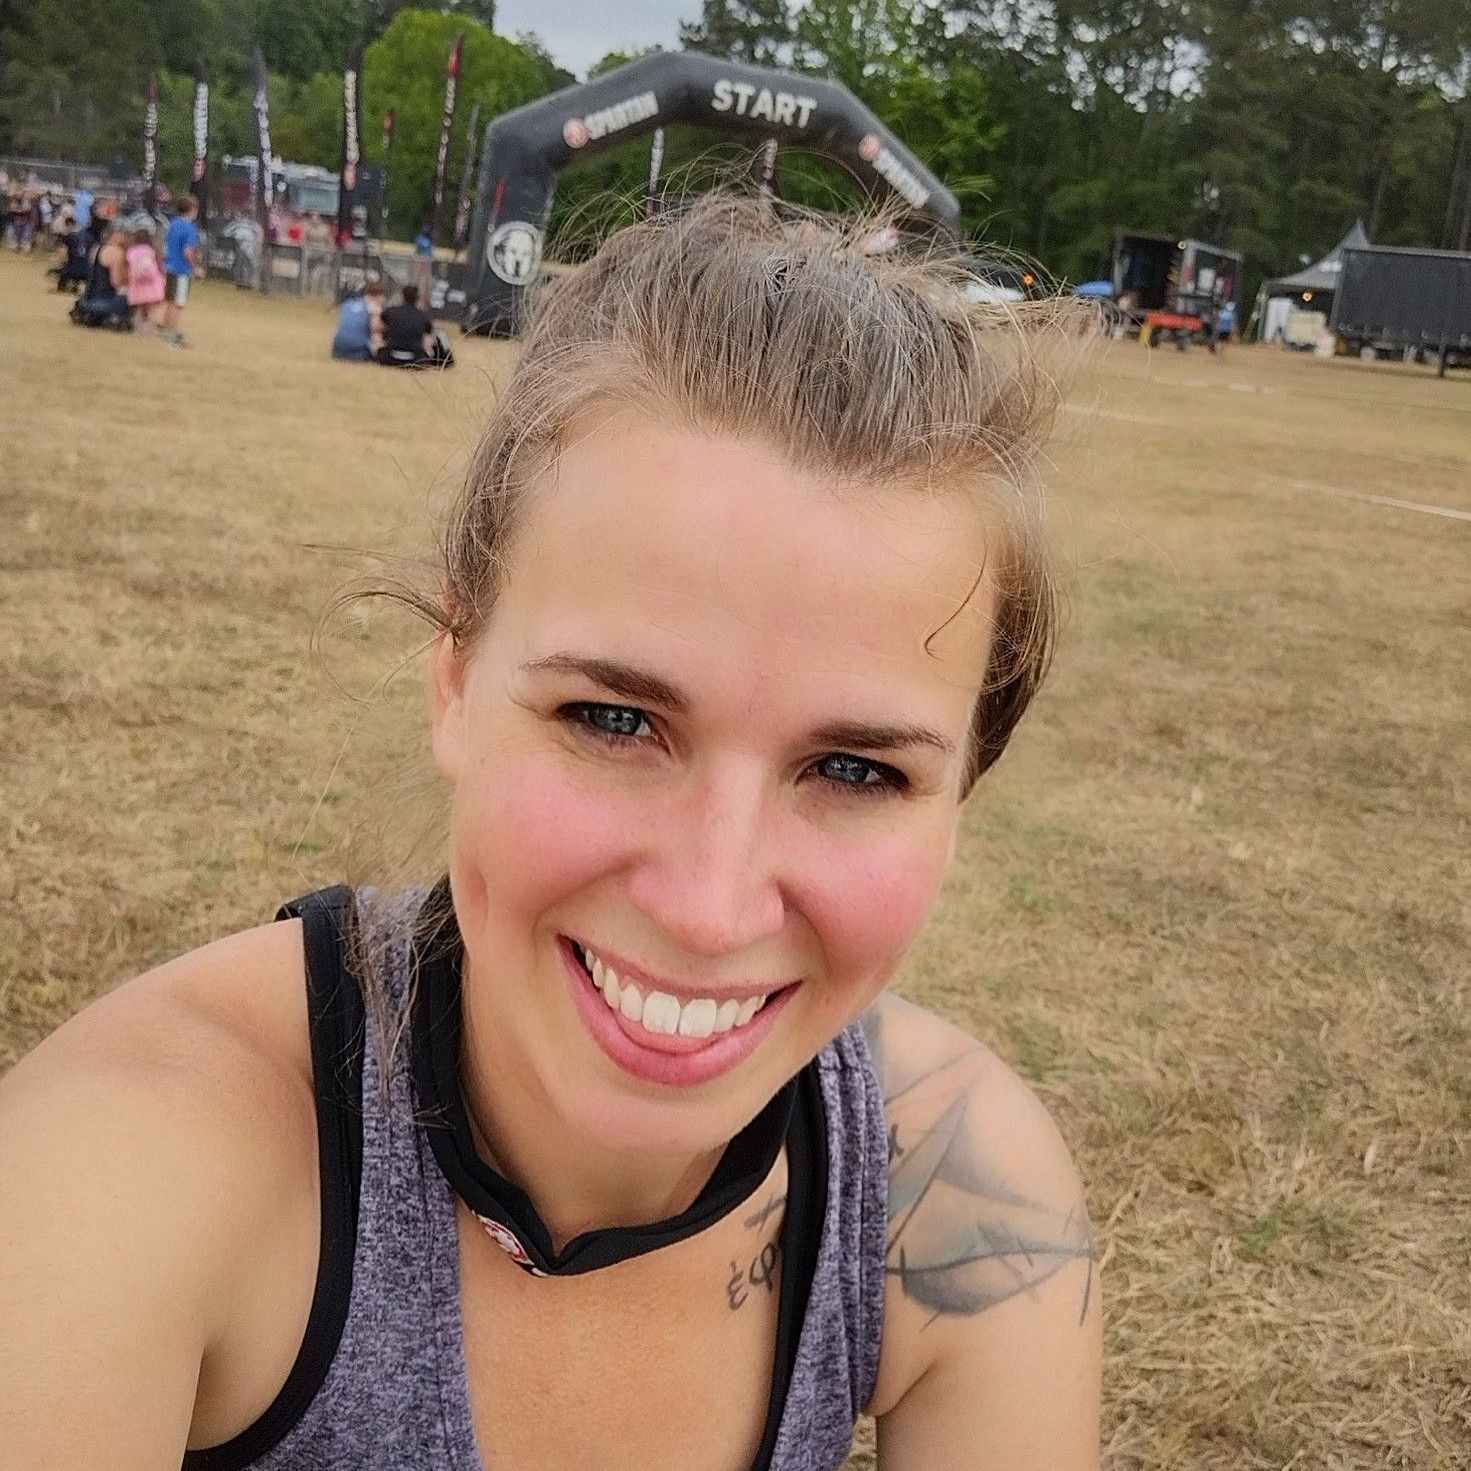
point(637, 1166)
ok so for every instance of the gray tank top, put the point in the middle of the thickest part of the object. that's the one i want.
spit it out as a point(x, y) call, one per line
point(380, 1382)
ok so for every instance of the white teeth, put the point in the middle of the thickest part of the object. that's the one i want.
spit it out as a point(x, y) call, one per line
point(748, 1008)
point(697, 1019)
point(661, 1014)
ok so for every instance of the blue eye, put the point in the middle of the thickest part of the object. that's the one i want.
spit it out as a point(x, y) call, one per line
point(853, 771)
point(616, 722)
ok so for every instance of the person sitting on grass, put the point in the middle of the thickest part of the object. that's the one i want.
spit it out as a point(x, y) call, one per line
point(104, 302)
point(182, 261)
point(607, 1148)
point(359, 334)
point(410, 339)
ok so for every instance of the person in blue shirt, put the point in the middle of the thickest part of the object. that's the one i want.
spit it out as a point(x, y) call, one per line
point(181, 259)
point(359, 325)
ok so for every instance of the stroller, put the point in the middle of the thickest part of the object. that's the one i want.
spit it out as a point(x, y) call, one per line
point(101, 304)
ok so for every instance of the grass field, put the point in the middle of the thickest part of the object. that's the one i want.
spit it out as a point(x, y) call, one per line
point(1215, 903)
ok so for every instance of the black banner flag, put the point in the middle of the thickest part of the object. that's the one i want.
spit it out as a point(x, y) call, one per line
point(199, 175)
point(265, 192)
point(150, 146)
point(383, 184)
point(467, 179)
point(352, 142)
point(451, 90)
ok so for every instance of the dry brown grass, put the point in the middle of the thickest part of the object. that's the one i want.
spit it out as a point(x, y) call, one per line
point(1214, 903)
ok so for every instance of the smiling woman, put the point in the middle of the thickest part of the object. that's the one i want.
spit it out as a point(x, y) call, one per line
point(607, 1149)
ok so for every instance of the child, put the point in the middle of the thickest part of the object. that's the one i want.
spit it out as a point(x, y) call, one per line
point(145, 282)
point(182, 258)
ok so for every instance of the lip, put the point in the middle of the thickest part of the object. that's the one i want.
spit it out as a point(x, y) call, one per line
point(677, 1062)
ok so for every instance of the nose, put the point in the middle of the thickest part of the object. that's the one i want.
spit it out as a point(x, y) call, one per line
point(710, 876)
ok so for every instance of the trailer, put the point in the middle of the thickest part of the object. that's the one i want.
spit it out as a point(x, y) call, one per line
point(1174, 290)
point(1395, 302)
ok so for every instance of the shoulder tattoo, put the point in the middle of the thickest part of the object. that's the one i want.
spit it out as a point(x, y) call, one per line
point(962, 1238)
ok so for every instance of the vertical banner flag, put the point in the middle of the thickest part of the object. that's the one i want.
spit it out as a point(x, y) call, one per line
point(199, 175)
point(467, 173)
point(266, 190)
point(383, 185)
point(451, 89)
point(656, 162)
point(150, 146)
point(265, 193)
point(352, 143)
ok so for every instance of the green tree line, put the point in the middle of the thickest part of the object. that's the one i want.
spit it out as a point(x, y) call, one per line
point(1265, 125)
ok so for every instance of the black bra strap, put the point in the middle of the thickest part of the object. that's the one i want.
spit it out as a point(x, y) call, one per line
point(336, 1020)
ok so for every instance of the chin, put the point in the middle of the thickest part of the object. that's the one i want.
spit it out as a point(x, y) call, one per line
point(614, 1119)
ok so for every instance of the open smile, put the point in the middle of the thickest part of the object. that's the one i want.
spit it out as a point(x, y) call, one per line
point(665, 1033)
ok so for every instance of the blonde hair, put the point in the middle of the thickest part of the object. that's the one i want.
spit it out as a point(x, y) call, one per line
point(876, 368)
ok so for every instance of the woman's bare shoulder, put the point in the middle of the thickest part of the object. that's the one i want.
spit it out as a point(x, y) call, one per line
point(985, 1207)
point(222, 1025)
point(159, 1154)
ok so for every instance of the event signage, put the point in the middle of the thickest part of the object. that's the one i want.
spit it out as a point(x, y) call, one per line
point(513, 252)
point(446, 126)
point(524, 150)
point(761, 104)
point(578, 132)
point(199, 174)
point(467, 174)
point(352, 143)
point(150, 147)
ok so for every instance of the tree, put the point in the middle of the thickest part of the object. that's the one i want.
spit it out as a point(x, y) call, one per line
point(404, 70)
point(756, 31)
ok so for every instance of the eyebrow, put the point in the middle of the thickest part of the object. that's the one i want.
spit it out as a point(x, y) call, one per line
point(631, 683)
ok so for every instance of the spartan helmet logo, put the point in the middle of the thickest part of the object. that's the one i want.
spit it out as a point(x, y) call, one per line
point(514, 252)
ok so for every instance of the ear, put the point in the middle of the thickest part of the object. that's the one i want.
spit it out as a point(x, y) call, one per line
point(446, 689)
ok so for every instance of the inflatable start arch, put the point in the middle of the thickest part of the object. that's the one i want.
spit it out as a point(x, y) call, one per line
point(528, 147)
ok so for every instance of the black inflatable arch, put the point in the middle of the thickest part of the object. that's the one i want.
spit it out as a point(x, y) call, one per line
point(528, 147)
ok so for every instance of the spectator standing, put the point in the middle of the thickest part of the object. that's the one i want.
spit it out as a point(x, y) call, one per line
point(423, 260)
point(145, 282)
point(82, 202)
point(181, 260)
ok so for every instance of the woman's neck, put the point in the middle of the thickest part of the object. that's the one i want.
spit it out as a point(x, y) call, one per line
point(576, 1185)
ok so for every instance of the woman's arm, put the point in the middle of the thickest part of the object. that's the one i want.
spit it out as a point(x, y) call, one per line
point(992, 1333)
point(140, 1150)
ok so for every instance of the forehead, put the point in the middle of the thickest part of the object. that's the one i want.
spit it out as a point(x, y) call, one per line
point(660, 542)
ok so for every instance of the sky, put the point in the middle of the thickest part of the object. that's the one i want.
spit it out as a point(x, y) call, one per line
point(578, 33)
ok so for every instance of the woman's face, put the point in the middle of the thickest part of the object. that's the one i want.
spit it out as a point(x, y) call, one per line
point(705, 770)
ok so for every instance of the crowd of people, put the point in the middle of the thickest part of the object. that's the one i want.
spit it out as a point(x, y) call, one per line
point(131, 278)
point(131, 274)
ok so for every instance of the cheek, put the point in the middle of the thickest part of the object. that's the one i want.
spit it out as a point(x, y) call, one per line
point(868, 902)
point(531, 836)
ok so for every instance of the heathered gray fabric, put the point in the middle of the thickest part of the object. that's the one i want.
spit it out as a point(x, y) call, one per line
point(396, 1397)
